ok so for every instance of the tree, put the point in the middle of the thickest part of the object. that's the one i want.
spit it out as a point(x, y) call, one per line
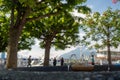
point(104, 29)
point(60, 31)
point(23, 11)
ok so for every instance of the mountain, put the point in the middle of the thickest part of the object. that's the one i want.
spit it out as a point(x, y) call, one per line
point(78, 53)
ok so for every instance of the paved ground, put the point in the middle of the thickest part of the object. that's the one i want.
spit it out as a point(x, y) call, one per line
point(2, 66)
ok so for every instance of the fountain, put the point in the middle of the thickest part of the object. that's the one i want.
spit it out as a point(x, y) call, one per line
point(80, 64)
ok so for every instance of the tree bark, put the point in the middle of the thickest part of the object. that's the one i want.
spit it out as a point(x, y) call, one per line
point(16, 28)
point(12, 48)
point(109, 53)
point(47, 53)
point(108, 47)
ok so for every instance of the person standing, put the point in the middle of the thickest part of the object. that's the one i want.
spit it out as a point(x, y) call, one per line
point(93, 62)
point(54, 62)
point(62, 61)
point(29, 62)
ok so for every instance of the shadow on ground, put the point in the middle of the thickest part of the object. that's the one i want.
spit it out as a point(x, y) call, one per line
point(68, 68)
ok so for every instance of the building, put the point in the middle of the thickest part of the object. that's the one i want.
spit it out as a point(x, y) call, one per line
point(102, 56)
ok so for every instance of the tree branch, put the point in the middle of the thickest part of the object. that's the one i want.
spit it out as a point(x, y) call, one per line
point(43, 16)
point(46, 15)
point(60, 42)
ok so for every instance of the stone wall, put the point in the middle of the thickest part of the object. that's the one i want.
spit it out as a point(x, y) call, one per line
point(64, 75)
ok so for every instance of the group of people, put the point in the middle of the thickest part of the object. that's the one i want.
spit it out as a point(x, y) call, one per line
point(54, 61)
point(61, 61)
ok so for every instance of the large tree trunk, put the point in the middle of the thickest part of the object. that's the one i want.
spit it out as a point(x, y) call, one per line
point(12, 48)
point(14, 35)
point(47, 53)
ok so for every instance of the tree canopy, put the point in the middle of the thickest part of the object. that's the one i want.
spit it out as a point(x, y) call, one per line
point(104, 29)
point(22, 11)
point(60, 31)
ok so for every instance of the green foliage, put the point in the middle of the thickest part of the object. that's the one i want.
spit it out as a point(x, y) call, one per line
point(83, 9)
point(45, 18)
point(53, 24)
point(100, 28)
point(26, 41)
point(26, 3)
point(38, 8)
point(4, 23)
point(62, 30)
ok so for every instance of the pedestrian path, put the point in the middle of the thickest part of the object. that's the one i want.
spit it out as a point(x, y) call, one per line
point(2, 66)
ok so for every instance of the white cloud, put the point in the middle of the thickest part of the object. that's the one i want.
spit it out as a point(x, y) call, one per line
point(76, 13)
point(90, 6)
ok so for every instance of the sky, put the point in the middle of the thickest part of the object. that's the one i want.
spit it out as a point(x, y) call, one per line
point(95, 5)
point(102, 5)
